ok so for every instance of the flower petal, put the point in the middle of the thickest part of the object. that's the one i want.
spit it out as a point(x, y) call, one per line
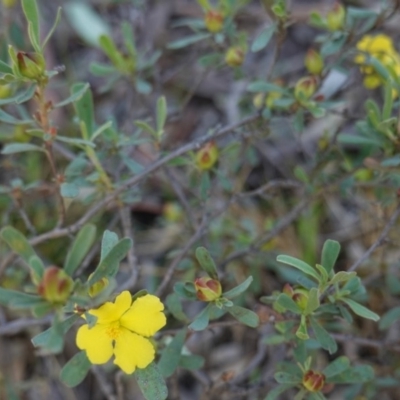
point(145, 316)
point(132, 351)
point(95, 342)
point(110, 312)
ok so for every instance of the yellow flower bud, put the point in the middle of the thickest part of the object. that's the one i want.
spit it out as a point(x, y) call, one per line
point(335, 18)
point(5, 91)
point(313, 381)
point(56, 285)
point(305, 88)
point(234, 57)
point(207, 156)
point(207, 289)
point(172, 212)
point(214, 21)
point(300, 297)
point(98, 287)
point(258, 100)
point(314, 62)
point(287, 289)
point(31, 65)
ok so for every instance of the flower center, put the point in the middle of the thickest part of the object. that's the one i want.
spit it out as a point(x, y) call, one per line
point(113, 330)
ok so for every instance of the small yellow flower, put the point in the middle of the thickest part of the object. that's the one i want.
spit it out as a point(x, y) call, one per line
point(380, 47)
point(122, 329)
point(214, 20)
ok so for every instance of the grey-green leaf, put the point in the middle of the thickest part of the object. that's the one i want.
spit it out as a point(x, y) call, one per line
point(151, 383)
point(361, 310)
point(75, 370)
point(299, 264)
point(171, 355)
point(330, 253)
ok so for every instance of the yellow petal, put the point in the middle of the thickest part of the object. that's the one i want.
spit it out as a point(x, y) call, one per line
point(110, 312)
point(132, 351)
point(145, 317)
point(364, 43)
point(95, 342)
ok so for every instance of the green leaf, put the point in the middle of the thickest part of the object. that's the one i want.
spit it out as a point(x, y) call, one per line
point(300, 265)
point(265, 87)
point(323, 336)
point(20, 97)
point(180, 43)
point(53, 28)
point(82, 243)
point(87, 23)
point(302, 332)
point(151, 383)
point(9, 119)
point(238, 290)
point(37, 267)
point(112, 52)
point(18, 243)
point(361, 310)
point(32, 15)
point(285, 377)
point(75, 96)
point(108, 267)
point(263, 38)
point(330, 253)
point(312, 302)
point(357, 374)
point(76, 369)
point(389, 318)
point(201, 320)
point(100, 69)
point(206, 262)
point(336, 367)
point(129, 40)
point(52, 339)
point(288, 303)
point(342, 276)
point(359, 140)
point(69, 190)
point(84, 106)
point(274, 393)
point(192, 361)
point(243, 315)
point(171, 355)
point(109, 240)
point(14, 148)
point(146, 127)
point(185, 290)
point(15, 299)
point(161, 115)
point(142, 86)
point(5, 68)
point(174, 306)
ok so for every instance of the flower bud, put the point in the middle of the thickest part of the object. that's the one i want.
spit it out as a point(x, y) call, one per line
point(258, 100)
point(207, 289)
point(234, 57)
point(287, 289)
point(98, 287)
point(55, 286)
point(313, 381)
point(172, 212)
point(207, 156)
point(305, 88)
point(31, 65)
point(300, 297)
point(214, 21)
point(335, 18)
point(5, 91)
point(314, 62)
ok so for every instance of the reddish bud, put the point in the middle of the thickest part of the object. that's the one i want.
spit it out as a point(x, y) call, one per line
point(55, 286)
point(207, 289)
point(335, 18)
point(31, 65)
point(313, 381)
point(234, 57)
point(214, 21)
point(207, 156)
point(305, 88)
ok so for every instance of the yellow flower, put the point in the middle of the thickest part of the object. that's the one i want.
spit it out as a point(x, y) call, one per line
point(380, 47)
point(122, 329)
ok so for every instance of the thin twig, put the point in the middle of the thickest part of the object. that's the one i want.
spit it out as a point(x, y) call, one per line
point(104, 385)
point(19, 325)
point(340, 337)
point(380, 241)
point(60, 232)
